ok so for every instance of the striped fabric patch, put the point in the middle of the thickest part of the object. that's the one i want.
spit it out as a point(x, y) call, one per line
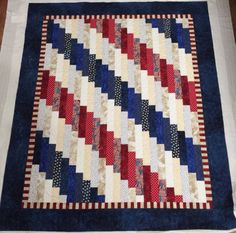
point(117, 118)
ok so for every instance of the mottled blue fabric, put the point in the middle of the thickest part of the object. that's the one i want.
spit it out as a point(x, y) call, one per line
point(13, 217)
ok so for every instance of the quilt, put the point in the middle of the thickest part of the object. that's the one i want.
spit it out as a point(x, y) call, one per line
point(118, 122)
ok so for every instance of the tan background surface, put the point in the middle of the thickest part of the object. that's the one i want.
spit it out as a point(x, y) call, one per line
point(3, 8)
point(232, 4)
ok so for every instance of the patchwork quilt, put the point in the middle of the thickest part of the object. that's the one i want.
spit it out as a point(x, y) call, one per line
point(118, 122)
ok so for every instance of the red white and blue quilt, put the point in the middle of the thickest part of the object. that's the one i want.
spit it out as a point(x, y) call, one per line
point(118, 122)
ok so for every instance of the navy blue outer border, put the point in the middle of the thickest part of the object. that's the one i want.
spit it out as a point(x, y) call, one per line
point(13, 217)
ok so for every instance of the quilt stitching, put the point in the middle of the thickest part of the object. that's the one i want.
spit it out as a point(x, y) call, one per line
point(118, 118)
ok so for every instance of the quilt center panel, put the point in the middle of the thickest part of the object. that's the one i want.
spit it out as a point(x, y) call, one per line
point(117, 119)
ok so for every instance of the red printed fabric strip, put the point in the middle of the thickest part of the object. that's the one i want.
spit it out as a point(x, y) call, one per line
point(131, 170)
point(179, 198)
point(130, 48)
point(124, 40)
point(105, 28)
point(93, 23)
point(150, 66)
point(185, 90)
point(50, 90)
point(170, 78)
point(111, 23)
point(110, 149)
point(163, 70)
point(170, 194)
point(82, 121)
point(192, 96)
point(44, 85)
point(89, 128)
point(103, 141)
point(143, 56)
point(124, 162)
point(147, 183)
point(154, 187)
